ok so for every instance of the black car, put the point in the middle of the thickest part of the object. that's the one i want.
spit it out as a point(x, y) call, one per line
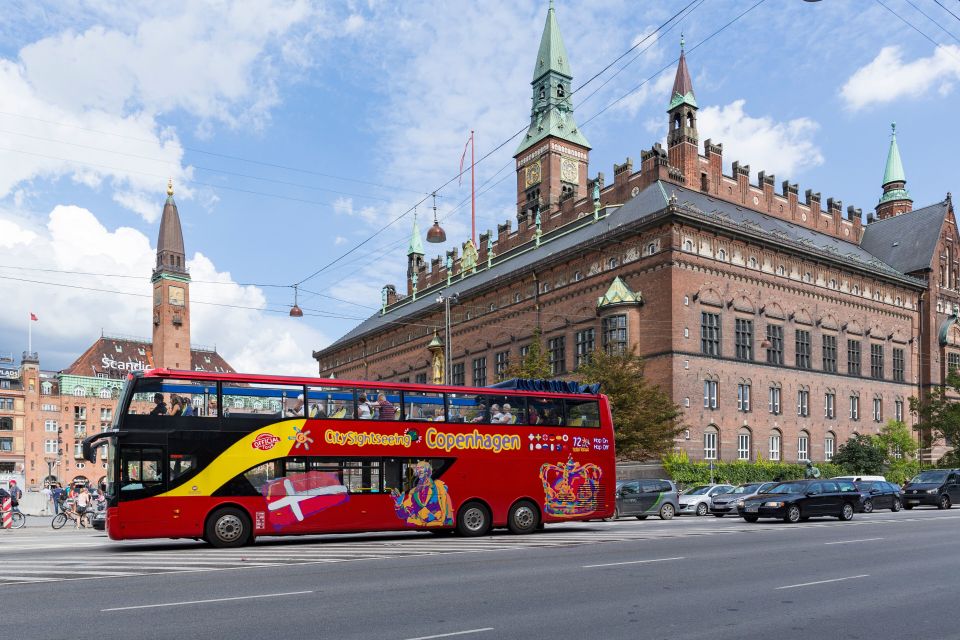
point(937, 487)
point(802, 499)
point(880, 495)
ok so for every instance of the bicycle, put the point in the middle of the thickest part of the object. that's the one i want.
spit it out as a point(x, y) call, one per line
point(19, 520)
point(86, 519)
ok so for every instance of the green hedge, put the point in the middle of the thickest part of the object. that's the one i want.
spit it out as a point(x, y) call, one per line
point(686, 473)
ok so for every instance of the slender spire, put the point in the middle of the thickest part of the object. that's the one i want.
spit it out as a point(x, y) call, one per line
point(416, 245)
point(894, 178)
point(170, 252)
point(682, 86)
point(552, 112)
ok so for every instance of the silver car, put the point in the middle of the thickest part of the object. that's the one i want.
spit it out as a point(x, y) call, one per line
point(726, 503)
point(697, 500)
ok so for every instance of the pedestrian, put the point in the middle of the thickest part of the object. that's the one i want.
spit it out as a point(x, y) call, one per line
point(15, 494)
point(83, 501)
point(57, 494)
point(46, 498)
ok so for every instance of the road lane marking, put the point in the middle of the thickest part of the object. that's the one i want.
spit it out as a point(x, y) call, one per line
point(852, 541)
point(454, 633)
point(177, 604)
point(614, 564)
point(807, 584)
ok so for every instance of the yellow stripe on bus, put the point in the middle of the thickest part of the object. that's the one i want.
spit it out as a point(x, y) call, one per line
point(269, 443)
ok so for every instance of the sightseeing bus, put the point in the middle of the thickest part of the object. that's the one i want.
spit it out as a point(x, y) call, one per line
point(229, 457)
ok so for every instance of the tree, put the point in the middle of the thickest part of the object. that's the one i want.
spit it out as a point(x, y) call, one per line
point(645, 421)
point(896, 441)
point(533, 365)
point(861, 455)
point(939, 411)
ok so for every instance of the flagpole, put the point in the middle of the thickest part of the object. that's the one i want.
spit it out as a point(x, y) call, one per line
point(473, 200)
point(29, 334)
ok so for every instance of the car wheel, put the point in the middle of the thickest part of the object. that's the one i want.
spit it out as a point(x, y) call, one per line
point(846, 513)
point(524, 518)
point(667, 512)
point(793, 514)
point(228, 527)
point(473, 520)
point(868, 506)
point(641, 517)
point(751, 518)
point(897, 505)
point(702, 509)
point(944, 502)
point(616, 513)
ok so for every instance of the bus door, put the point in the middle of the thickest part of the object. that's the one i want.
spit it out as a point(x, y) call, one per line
point(141, 465)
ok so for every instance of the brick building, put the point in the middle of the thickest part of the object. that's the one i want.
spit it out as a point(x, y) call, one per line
point(57, 409)
point(781, 325)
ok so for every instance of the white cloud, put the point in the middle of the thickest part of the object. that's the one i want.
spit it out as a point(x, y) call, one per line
point(888, 77)
point(250, 338)
point(344, 206)
point(783, 148)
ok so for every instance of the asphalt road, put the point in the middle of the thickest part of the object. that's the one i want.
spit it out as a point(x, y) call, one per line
point(881, 576)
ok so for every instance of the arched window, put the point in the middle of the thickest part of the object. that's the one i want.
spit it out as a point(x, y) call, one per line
point(688, 245)
point(676, 121)
point(543, 93)
point(238, 403)
point(776, 439)
point(753, 262)
point(105, 393)
point(690, 118)
point(808, 277)
point(829, 445)
point(743, 444)
point(560, 92)
point(781, 271)
point(79, 392)
point(612, 263)
point(721, 255)
point(803, 447)
point(577, 276)
point(545, 287)
point(46, 388)
point(517, 297)
point(711, 443)
point(651, 248)
point(833, 283)
point(856, 290)
point(492, 307)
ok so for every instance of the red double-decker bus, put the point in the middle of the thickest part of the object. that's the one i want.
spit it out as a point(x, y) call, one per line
point(228, 457)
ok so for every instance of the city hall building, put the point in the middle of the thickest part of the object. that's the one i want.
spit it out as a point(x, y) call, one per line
point(780, 322)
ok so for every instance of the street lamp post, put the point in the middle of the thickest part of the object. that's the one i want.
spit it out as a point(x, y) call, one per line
point(453, 298)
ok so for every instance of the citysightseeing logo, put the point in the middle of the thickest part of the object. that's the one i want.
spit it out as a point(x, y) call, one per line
point(265, 442)
point(488, 441)
point(364, 438)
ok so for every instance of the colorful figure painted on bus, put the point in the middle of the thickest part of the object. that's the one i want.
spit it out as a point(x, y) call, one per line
point(427, 503)
point(571, 489)
point(298, 496)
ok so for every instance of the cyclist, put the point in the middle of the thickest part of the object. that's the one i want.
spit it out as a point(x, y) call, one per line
point(82, 502)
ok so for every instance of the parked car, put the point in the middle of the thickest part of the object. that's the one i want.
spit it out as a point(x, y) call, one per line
point(643, 498)
point(726, 503)
point(880, 495)
point(697, 500)
point(802, 499)
point(860, 478)
point(939, 487)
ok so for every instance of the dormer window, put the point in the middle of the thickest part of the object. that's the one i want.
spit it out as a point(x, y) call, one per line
point(118, 348)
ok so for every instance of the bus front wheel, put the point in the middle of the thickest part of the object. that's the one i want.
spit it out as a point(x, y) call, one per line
point(228, 527)
point(524, 517)
point(473, 520)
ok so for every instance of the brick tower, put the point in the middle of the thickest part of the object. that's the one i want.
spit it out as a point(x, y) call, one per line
point(682, 131)
point(895, 199)
point(171, 293)
point(553, 155)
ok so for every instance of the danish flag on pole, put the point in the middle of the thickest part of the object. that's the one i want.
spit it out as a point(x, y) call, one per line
point(33, 316)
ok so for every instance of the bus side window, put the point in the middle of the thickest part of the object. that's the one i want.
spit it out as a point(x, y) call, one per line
point(141, 469)
point(330, 403)
point(582, 413)
point(545, 411)
point(419, 405)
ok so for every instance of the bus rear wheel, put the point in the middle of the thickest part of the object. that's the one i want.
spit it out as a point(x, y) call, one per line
point(473, 520)
point(228, 527)
point(524, 517)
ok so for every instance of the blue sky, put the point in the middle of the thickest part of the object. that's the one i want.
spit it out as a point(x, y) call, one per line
point(294, 130)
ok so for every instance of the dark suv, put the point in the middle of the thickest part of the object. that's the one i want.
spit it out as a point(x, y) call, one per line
point(801, 499)
point(937, 487)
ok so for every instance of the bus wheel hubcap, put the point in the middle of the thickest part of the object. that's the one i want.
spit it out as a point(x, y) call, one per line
point(473, 519)
point(229, 528)
point(524, 517)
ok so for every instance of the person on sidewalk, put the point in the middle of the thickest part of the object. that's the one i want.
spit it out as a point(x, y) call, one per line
point(57, 494)
point(46, 493)
point(15, 494)
point(83, 501)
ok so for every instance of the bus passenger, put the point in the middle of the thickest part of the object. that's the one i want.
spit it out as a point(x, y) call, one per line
point(295, 408)
point(482, 414)
point(438, 415)
point(506, 417)
point(176, 405)
point(363, 408)
point(495, 414)
point(161, 407)
point(387, 410)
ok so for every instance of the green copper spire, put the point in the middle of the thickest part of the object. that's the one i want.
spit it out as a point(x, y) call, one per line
point(682, 86)
point(416, 245)
point(552, 113)
point(894, 179)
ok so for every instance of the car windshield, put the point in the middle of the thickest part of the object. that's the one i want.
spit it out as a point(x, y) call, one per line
point(747, 488)
point(788, 487)
point(697, 491)
point(930, 476)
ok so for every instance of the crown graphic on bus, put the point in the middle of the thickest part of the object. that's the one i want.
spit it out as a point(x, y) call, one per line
point(571, 489)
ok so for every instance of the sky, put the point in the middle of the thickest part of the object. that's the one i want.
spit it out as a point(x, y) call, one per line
point(300, 137)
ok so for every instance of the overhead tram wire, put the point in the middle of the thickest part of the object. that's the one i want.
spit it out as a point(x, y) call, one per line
point(933, 20)
point(225, 156)
point(483, 157)
point(915, 28)
point(942, 6)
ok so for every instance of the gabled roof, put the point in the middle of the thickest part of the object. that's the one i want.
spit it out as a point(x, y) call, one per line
point(116, 357)
point(907, 241)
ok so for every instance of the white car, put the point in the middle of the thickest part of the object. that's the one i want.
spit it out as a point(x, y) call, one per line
point(697, 500)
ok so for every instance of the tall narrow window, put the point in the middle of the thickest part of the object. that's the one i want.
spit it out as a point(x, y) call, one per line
point(898, 365)
point(743, 397)
point(775, 400)
point(457, 376)
point(803, 403)
point(743, 445)
point(775, 341)
point(502, 361)
point(615, 334)
point(830, 353)
point(744, 339)
point(854, 407)
point(877, 409)
point(585, 346)
point(557, 355)
point(710, 334)
point(876, 361)
point(710, 391)
point(829, 405)
point(803, 349)
point(953, 362)
point(828, 446)
point(803, 447)
point(775, 445)
point(710, 444)
point(853, 357)
point(898, 410)
point(480, 372)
